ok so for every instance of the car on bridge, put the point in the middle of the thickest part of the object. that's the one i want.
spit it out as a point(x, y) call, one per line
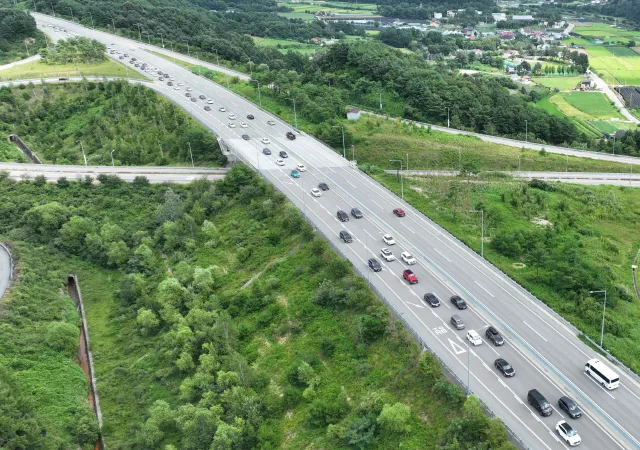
point(431, 299)
point(295, 173)
point(271, 122)
point(399, 212)
point(458, 302)
point(232, 125)
point(374, 265)
point(291, 136)
point(387, 255)
point(302, 168)
point(408, 258)
point(504, 367)
point(201, 97)
point(266, 141)
point(250, 116)
point(495, 337)
point(568, 433)
point(570, 407)
point(243, 124)
point(388, 239)
point(266, 151)
point(355, 212)
point(279, 162)
point(323, 186)
point(207, 108)
point(283, 154)
point(245, 137)
point(316, 192)
point(346, 237)
point(408, 275)
point(222, 109)
point(474, 338)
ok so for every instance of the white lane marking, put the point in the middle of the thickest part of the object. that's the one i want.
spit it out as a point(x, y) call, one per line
point(457, 349)
point(598, 384)
point(441, 254)
point(350, 184)
point(413, 304)
point(376, 203)
point(481, 287)
point(554, 436)
point(554, 408)
point(502, 383)
point(531, 328)
point(632, 393)
point(491, 347)
point(514, 395)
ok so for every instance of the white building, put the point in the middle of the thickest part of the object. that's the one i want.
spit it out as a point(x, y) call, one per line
point(437, 15)
point(497, 17)
point(523, 17)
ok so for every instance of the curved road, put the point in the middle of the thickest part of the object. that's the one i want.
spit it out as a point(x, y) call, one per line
point(544, 350)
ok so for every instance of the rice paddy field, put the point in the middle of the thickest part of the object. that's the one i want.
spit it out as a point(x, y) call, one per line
point(616, 65)
point(306, 10)
point(605, 32)
point(562, 83)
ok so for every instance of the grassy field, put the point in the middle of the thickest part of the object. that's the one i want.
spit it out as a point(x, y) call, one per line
point(606, 32)
point(603, 232)
point(306, 10)
point(561, 83)
point(9, 152)
point(37, 69)
point(608, 126)
point(593, 104)
point(286, 45)
point(575, 40)
point(616, 65)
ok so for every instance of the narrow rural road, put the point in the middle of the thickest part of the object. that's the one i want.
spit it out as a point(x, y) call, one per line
point(5, 270)
point(606, 90)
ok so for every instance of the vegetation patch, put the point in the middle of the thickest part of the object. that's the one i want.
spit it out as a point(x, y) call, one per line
point(595, 104)
point(560, 83)
point(38, 69)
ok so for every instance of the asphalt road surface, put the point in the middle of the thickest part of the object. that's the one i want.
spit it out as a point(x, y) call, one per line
point(18, 171)
point(5, 271)
point(543, 349)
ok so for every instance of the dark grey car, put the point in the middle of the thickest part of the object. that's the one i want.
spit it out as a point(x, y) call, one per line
point(375, 265)
point(570, 407)
point(345, 236)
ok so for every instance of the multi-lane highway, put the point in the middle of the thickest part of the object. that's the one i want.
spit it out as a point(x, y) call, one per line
point(544, 350)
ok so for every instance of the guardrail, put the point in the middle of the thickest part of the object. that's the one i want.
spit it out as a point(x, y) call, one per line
point(6, 249)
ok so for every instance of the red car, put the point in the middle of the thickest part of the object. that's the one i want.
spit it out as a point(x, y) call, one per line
point(399, 212)
point(409, 276)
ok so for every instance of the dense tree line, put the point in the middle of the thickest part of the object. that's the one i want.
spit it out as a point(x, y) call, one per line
point(17, 31)
point(423, 10)
point(626, 9)
point(74, 50)
point(192, 318)
point(354, 70)
point(142, 127)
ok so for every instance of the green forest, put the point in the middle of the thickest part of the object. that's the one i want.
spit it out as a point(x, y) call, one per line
point(74, 50)
point(18, 34)
point(218, 319)
point(558, 240)
point(143, 128)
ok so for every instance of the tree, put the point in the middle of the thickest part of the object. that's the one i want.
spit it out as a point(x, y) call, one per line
point(395, 418)
point(147, 320)
point(44, 221)
point(228, 435)
point(172, 209)
point(538, 257)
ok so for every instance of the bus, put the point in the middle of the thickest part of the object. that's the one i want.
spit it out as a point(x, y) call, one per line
point(602, 374)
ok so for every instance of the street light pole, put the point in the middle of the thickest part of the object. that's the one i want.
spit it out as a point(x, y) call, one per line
point(72, 18)
point(401, 179)
point(259, 95)
point(217, 57)
point(482, 235)
point(52, 10)
point(162, 39)
point(353, 152)
point(27, 47)
point(604, 308)
point(113, 21)
point(139, 32)
point(468, 368)
point(91, 17)
point(448, 122)
point(188, 51)
point(83, 154)
point(148, 37)
point(191, 153)
point(295, 115)
point(380, 101)
point(344, 150)
point(526, 130)
point(112, 162)
point(251, 67)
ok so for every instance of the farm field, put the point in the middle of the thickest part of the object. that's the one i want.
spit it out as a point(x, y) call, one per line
point(562, 83)
point(607, 126)
point(593, 104)
point(305, 11)
point(284, 45)
point(606, 32)
point(616, 65)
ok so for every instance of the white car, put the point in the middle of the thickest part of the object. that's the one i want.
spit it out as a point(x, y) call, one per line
point(387, 255)
point(243, 125)
point(408, 258)
point(232, 116)
point(302, 168)
point(181, 84)
point(388, 239)
point(172, 79)
point(232, 125)
point(271, 122)
point(177, 88)
point(567, 433)
point(279, 162)
point(222, 109)
point(132, 49)
point(266, 141)
point(316, 192)
point(209, 101)
point(474, 337)
point(189, 88)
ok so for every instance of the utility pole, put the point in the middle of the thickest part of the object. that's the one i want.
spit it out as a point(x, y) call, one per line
point(251, 67)
point(191, 153)
point(353, 150)
point(72, 18)
point(604, 308)
point(482, 235)
point(614, 143)
point(83, 154)
point(113, 21)
point(139, 32)
point(295, 115)
point(52, 10)
point(259, 95)
point(344, 150)
point(401, 179)
point(518, 163)
point(468, 369)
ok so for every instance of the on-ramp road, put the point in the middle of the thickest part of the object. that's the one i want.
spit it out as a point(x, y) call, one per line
point(543, 349)
point(5, 270)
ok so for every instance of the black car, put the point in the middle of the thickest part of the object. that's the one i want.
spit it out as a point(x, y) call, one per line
point(266, 151)
point(283, 154)
point(250, 116)
point(568, 405)
point(245, 137)
point(207, 108)
point(355, 212)
point(504, 367)
point(169, 83)
point(121, 57)
point(375, 265)
point(160, 72)
point(291, 136)
point(495, 337)
point(201, 97)
point(166, 75)
point(188, 94)
point(431, 299)
point(345, 236)
point(193, 99)
point(323, 186)
point(459, 302)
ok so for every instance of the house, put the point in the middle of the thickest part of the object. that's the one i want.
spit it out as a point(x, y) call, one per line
point(497, 17)
point(507, 36)
point(434, 23)
point(437, 15)
point(510, 54)
point(523, 17)
point(586, 84)
point(315, 41)
point(353, 114)
point(451, 14)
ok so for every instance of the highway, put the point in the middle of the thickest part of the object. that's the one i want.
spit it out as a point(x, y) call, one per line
point(543, 349)
point(51, 172)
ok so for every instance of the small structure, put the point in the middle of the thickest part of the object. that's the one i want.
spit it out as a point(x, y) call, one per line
point(315, 41)
point(497, 17)
point(437, 15)
point(451, 14)
point(526, 17)
point(353, 114)
point(586, 84)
